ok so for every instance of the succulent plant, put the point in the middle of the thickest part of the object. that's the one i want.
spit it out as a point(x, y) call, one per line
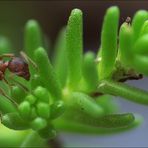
point(72, 90)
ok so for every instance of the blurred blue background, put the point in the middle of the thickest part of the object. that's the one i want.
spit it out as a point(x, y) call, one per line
point(137, 137)
point(52, 15)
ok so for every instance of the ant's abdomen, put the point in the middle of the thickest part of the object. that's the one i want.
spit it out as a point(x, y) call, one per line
point(19, 67)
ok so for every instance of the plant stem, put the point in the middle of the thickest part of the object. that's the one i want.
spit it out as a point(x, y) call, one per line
point(33, 140)
point(123, 90)
point(55, 143)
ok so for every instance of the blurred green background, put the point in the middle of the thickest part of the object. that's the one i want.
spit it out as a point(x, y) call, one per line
point(52, 15)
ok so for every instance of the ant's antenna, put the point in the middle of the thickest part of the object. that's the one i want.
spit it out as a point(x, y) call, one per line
point(9, 55)
point(18, 83)
point(21, 85)
point(28, 59)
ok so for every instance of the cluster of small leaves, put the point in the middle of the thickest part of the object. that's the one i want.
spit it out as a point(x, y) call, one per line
point(35, 103)
point(34, 111)
point(130, 58)
point(70, 91)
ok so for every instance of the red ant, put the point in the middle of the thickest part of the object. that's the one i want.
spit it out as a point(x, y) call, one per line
point(128, 20)
point(16, 65)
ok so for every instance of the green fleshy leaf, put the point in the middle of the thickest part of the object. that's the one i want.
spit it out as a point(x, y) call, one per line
point(57, 109)
point(25, 109)
point(141, 46)
point(117, 120)
point(33, 113)
point(74, 47)
point(108, 104)
point(90, 71)
point(139, 64)
point(6, 106)
point(14, 121)
point(18, 94)
point(38, 123)
point(144, 29)
point(35, 81)
point(86, 129)
point(43, 110)
point(109, 43)
point(47, 73)
point(106, 121)
point(60, 61)
point(139, 18)
point(31, 99)
point(42, 94)
point(5, 46)
point(33, 37)
point(125, 44)
point(86, 104)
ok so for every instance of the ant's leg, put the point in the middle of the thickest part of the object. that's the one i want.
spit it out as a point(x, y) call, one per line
point(4, 79)
point(28, 59)
point(8, 83)
point(3, 93)
point(21, 85)
point(18, 83)
point(9, 55)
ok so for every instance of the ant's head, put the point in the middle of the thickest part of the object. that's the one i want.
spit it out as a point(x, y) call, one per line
point(19, 67)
